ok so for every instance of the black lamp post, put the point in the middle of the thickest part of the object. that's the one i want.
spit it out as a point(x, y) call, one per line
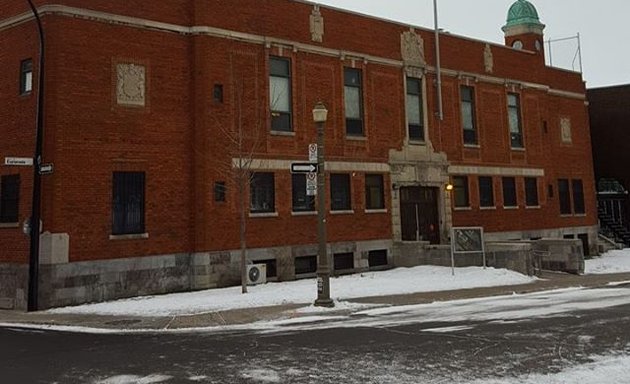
point(320, 115)
point(33, 270)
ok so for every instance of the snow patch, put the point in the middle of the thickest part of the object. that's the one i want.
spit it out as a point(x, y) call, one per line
point(262, 375)
point(603, 370)
point(393, 282)
point(617, 261)
point(133, 379)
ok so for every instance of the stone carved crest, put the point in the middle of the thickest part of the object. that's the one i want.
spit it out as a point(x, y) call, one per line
point(488, 59)
point(317, 25)
point(130, 89)
point(412, 48)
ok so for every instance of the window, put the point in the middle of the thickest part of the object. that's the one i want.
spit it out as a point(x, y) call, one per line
point(565, 196)
point(219, 191)
point(531, 192)
point(343, 261)
point(377, 258)
point(340, 192)
point(26, 76)
point(280, 94)
point(460, 191)
point(467, 95)
point(217, 93)
point(262, 191)
point(509, 192)
point(305, 265)
point(514, 119)
point(128, 203)
point(353, 101)
point(486, 192)
point(374, 192)
point(301, 201)
point(9, 199)
point(578, 197)
point(415, 117)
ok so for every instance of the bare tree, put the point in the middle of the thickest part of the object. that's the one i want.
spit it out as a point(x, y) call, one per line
point(242, 141)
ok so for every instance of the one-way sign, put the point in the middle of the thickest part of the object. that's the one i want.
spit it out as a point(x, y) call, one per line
point(303, 167)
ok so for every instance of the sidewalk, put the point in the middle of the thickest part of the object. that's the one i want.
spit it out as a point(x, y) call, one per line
point(548, 281)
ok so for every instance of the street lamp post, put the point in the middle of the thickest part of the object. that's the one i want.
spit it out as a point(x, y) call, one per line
point(33, 270)
point(320, 115)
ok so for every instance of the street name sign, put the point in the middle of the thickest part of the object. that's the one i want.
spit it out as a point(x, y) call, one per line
point(303, 167)
point(46, 169)
point(23, 161)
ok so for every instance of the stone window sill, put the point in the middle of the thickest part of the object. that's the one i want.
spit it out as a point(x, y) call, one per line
point(347, 212)
point(488, 208)
point(510, 208)
point(472, 146)
point(463, 208)
point(533, 207)
point(518, 149)
point(282, 133)
point(376, 211)
point(304, 213)
point(263, 215)
point(356, 138)
point(9, 225)
point(135, 236)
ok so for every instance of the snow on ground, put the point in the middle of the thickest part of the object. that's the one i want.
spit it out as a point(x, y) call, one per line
point(396, 281)
point(603, 370)
point(610, 262)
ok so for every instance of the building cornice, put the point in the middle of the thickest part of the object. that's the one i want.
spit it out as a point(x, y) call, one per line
point(134, 22)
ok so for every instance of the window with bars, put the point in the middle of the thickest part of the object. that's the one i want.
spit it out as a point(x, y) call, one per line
point(578, 197)
point(467, 95)
point(340, 192)
point(531, 192)
point(353, 99)
point(415, 117)
point(514, 120)
point(509, 192)
point(486, 192)
point(280, 94)
point(374, 192)
point(9, 199)
point(460, 192)
point(564, 195)
point(262, 193)
point(302, 202)
point(128, 203)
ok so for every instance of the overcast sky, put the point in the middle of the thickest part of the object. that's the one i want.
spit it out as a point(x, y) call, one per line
point(602, 24)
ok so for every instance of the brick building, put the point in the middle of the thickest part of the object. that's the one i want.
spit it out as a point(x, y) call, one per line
point(142, 102)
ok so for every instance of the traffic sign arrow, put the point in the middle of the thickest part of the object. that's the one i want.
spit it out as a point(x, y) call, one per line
point(303, 168)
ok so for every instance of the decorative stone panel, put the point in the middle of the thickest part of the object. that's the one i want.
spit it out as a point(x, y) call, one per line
point(130, 88)
point(317, 25)
point(488, 59)
point(412, 48)
point(565, 129)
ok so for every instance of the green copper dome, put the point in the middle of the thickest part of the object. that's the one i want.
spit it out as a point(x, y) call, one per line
point(522, 13)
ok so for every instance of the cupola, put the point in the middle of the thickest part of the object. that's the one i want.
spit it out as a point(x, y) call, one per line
point(524, 29)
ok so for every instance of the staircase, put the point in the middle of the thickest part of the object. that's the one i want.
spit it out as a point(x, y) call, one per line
point(611, 228)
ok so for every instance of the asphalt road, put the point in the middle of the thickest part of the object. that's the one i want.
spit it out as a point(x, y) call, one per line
point(333, 351)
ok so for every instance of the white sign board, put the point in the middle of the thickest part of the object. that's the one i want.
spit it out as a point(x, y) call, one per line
point(311, 184)
point(467, 240)
point(26, 161)
point(312, 153)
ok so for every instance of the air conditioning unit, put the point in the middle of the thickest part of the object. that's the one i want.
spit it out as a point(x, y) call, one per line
point(256, 274)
